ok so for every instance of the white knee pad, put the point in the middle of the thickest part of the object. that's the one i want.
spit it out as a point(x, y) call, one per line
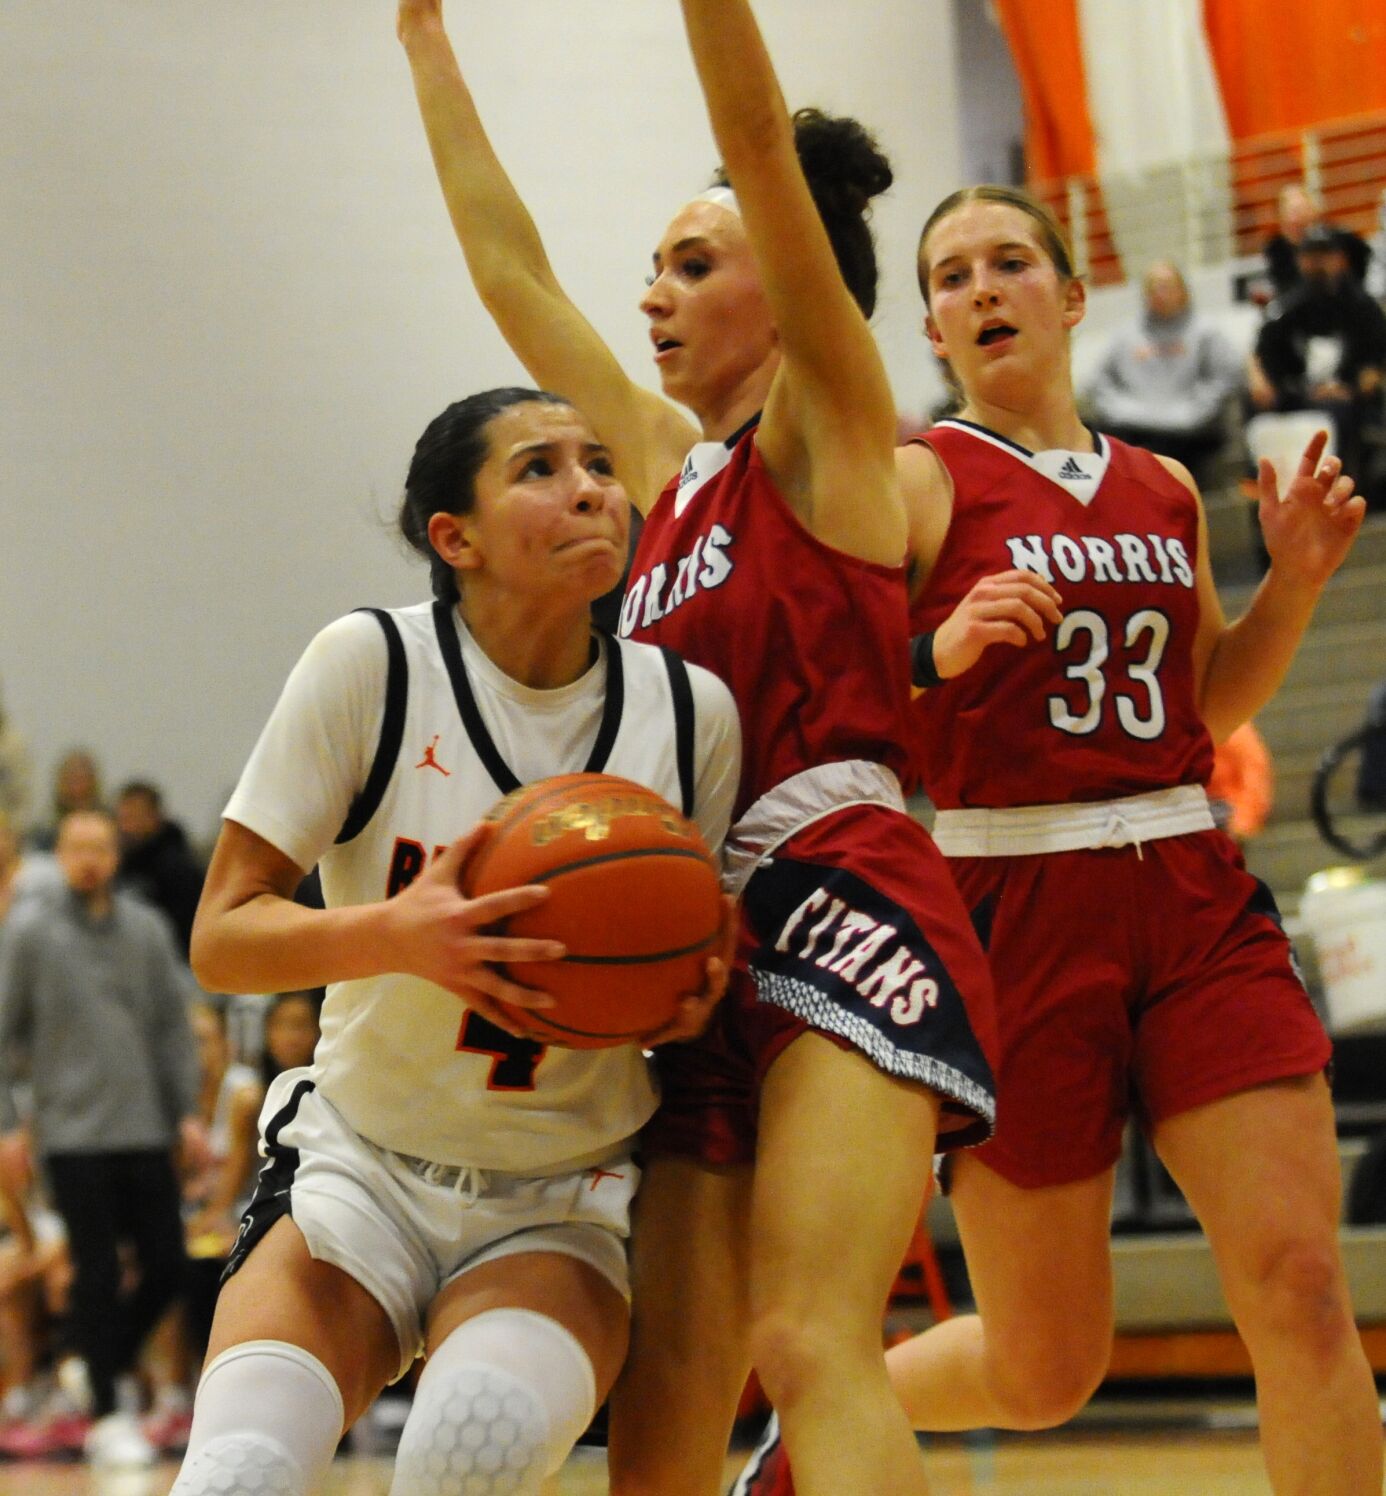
point(497, 1410)
point(240, 1462)
point(265, 1411)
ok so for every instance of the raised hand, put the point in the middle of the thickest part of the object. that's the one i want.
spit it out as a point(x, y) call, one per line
point(1309, 529)
point(1009, 607)
point(417, 12)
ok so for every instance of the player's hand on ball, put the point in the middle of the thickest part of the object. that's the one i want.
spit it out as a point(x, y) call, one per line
point(447, 938)
point(1010, 607)
point(695, 1011)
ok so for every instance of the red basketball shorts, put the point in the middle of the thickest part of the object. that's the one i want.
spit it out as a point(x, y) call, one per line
point(854, 930)
point(1151, 980)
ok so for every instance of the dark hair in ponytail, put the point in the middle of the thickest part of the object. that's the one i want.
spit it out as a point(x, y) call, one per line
point(442, 475)
point(845, 169)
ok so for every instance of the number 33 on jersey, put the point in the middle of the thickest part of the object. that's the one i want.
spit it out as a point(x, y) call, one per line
point(1105, 705)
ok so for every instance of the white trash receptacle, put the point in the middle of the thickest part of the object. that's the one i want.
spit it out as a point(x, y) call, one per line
point(1345, 914)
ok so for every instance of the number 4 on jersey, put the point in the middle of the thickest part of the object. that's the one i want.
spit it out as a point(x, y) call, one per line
point(513, 1061)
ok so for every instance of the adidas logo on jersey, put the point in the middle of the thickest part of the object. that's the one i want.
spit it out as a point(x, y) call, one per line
point(1070, 471)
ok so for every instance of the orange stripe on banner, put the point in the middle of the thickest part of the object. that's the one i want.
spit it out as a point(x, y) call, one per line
point(1047, 49)
point(1288, 67)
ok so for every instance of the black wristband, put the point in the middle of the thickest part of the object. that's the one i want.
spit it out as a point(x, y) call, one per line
point(923, 671)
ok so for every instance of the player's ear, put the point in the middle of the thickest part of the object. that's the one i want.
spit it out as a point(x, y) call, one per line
point(934, 336)
point(1075, 301)
point(451, 536)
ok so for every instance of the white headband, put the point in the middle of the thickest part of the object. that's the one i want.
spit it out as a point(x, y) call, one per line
point(723, 197)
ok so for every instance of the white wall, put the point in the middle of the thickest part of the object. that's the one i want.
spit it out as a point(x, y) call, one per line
point(230, 301)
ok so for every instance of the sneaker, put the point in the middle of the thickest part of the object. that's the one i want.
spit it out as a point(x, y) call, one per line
point(767, 1471)
point(115, 1443)
point(167, 1429)
point(44, 1437)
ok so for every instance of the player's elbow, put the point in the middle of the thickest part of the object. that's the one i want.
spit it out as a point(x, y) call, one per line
point(208, 952)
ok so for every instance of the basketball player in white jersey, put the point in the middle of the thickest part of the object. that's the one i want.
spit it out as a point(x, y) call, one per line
point(436, 1182)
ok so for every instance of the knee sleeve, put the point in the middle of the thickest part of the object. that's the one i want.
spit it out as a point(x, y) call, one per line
point(497, 1410)
point(265, 1409)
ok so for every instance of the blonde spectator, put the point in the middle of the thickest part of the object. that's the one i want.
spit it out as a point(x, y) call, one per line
point(76, 786)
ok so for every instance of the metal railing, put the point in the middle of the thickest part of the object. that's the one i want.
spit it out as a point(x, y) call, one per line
point(1209, 209)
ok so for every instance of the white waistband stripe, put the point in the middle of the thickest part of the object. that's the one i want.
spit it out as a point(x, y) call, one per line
point(798, 802)
point(1029, 830)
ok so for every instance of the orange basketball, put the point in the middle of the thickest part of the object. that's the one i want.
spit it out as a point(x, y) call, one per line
point(634, 896)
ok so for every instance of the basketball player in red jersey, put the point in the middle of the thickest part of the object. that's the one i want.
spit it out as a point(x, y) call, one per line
point(1081, 667)
point(772, 553)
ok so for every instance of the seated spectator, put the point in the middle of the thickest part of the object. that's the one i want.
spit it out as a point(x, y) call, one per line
point(76, 786)
point(1299, 213)
point(156, 861)
point(229, 1098)
point(1376, 271)
point(291, 1031)
point(1165, 379)
point(24, 874)
point(1325, 350)
point(1242, 788)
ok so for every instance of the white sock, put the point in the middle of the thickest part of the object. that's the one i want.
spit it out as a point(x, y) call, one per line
point(497, 1410)
point(265, 1407)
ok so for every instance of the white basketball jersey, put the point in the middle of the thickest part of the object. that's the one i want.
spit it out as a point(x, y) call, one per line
point(405, 1062)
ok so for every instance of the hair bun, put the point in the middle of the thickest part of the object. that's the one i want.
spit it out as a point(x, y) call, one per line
point(841, 159)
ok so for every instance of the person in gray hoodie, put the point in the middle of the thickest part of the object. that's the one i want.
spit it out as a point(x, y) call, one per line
point(1166, 378)
point(93, 1008)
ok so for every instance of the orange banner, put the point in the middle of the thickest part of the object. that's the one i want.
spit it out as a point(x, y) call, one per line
point(1286, 67)
point(1045, 44)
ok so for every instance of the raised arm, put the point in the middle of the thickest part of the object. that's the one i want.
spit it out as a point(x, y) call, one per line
point(647, 436)
point(828, 431)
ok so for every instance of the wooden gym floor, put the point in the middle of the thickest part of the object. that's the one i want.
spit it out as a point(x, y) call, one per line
point(1082, 1462)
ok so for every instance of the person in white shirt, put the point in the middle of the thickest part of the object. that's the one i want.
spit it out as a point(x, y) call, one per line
point(438, 1182)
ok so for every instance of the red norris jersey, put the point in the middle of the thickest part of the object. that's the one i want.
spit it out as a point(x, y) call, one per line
point(1105, 705)
point(811, 641)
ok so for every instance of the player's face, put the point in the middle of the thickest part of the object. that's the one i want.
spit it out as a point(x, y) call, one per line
point(999, 311)
point(709, 319)
point(550, 517)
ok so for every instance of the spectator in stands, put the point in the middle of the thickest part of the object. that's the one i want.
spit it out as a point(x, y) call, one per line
point(92, 1003)
point(15, 774)
point(291, 1031)
point(1166, 379)
point(24, 874)
point(229, 1100)
point(1376, 271)
point(1299, 213)
point(1242, 788)
point(156, 861)
point(1325, 349)
point(76, 786)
